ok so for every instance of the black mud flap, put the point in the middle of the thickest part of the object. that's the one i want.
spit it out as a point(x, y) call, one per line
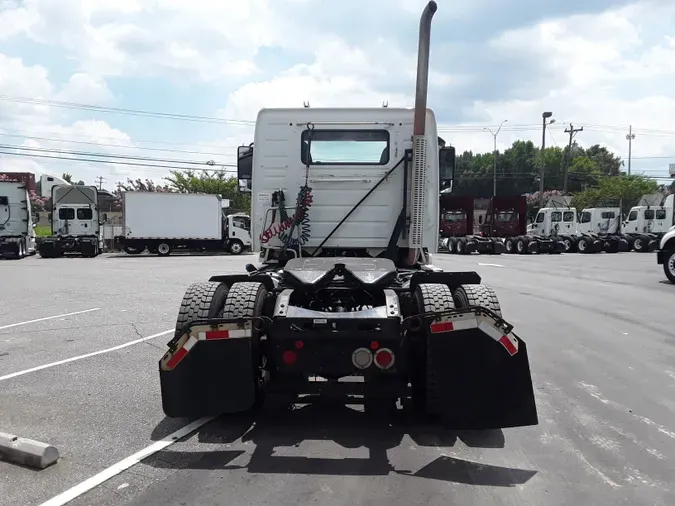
point(214, 377)
point(478, 384)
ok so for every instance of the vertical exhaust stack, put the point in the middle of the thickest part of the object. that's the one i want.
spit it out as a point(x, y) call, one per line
point(419, 169)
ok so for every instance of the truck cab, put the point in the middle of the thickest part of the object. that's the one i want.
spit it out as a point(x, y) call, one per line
point(307, 166)
point(17, 222)
point(76, 222)
point(599, 220)
point(238, 233)
point(551, 221)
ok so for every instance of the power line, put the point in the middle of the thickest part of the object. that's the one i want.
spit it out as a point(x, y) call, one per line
point(107, 155)
point(119, 110)
point(209, 119)
point(115, 162)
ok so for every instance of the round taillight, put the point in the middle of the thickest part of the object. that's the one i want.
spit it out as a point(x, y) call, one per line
point(362, 358)
point(384, 358)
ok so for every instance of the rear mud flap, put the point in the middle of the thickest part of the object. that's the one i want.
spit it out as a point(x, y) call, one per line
point(478, 384)
point(213, 378)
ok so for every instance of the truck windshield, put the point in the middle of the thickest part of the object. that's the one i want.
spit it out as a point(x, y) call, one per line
point(346, 147)
point(454, 216)
point(506, 216)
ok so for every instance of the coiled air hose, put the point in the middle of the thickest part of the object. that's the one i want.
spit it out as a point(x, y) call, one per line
point(287, 225)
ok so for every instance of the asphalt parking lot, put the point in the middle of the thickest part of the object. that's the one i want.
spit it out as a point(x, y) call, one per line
point(79, 345)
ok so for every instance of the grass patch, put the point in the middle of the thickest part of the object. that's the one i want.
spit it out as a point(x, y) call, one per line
point(43, 231)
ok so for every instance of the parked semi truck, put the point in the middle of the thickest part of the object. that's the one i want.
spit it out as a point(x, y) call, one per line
point(462, 233)
point(345, 286)
point(17, 222)
point(164, 222)
point(648, 222)
point(75, 222)
point(665, 255)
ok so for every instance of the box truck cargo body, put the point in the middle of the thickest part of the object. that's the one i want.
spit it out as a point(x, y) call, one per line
point(162, 222)
point(17, 235)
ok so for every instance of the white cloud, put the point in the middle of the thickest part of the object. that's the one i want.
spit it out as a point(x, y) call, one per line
point(601, 71)
point(614, 68)
point(85, 88)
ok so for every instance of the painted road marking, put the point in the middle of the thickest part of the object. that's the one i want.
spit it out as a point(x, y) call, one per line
point(492, 265)
point(49, 318)
point(124, 464)
point(80, 357)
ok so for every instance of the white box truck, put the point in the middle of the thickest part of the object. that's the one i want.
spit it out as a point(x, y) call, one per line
point(17, 222)
point(162, 222)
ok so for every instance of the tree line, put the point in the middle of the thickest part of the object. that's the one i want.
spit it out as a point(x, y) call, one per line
point(596, 176)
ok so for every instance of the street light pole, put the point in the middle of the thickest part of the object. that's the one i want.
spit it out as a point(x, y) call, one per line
point(494, 156)
point(544, 117)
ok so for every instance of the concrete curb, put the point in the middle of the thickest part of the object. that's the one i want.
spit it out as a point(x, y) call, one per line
point(27, 451)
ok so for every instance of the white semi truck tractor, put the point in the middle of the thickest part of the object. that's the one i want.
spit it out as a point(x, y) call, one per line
point(17, 222)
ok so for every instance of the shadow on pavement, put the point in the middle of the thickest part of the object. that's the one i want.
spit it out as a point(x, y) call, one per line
point(348, 428)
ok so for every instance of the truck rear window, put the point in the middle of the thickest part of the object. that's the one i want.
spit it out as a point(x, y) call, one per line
point(66, 213)
point(346, 147)
point(85, 213)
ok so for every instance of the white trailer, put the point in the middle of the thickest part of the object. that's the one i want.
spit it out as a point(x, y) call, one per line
point(162, 222)
point(76, 222)
point(17, 232)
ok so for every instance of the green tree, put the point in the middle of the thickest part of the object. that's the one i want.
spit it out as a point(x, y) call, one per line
point(188, 181)
point(612, 191)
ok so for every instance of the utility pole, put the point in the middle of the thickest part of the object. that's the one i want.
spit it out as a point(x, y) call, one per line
point(100, 180)
point(494, 155)
point(572, 131)
point(544, 117)
point(629, 137)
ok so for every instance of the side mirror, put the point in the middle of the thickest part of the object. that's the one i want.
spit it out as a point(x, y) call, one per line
point(446, 167)
point(36, 218)
point(245, 167)
point(49, 217)
point(104, 219)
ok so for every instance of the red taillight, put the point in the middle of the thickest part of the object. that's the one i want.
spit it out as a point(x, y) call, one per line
point(374, 345)
point(289, 357)
point(299, 345)
point(384, 358)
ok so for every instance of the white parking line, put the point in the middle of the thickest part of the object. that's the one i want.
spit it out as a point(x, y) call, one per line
point(49, 318)
point(492, 265)
point(80, 357)
point(125, 464)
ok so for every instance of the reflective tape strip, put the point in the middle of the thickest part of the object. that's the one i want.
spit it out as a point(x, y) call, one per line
point(224, 334)
point(180, 353)
point(509, 342)
point(452, 325)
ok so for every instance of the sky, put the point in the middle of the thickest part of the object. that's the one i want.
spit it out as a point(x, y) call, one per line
point(74, 75)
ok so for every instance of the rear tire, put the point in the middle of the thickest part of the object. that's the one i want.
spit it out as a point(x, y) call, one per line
point(246, 299)
point(477, 295)
point(201, 301)
point(429, 297)
point(164, 249)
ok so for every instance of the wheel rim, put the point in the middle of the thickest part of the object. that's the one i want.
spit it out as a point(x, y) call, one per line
point(671, 265)
point(520, 246)
point(509, 246)
point(163, 249)
point(638, 243)
point(235, 248)
point(582, 245)
point(568, 244)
